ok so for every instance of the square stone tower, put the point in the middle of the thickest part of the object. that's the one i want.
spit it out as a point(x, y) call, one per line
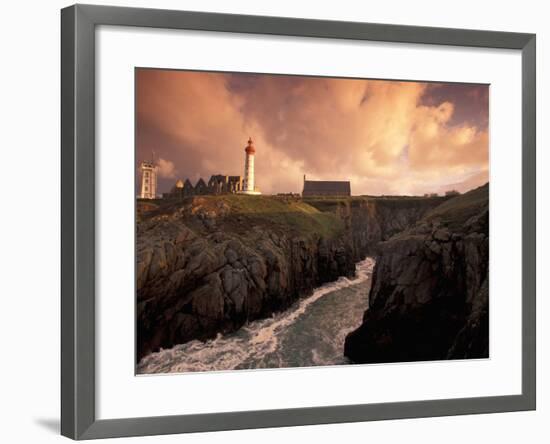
point(148, 180)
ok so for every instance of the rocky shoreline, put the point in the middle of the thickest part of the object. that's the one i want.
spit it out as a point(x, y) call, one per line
point(429, 299)
point(208, 265)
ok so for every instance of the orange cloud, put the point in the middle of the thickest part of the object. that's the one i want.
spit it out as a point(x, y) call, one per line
point(383, 135)
point(436, 145)
point(166, 168)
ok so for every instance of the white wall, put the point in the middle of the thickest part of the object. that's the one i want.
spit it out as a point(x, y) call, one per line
point(29, 251)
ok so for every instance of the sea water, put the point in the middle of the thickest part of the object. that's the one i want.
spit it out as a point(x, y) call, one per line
point(309, 333)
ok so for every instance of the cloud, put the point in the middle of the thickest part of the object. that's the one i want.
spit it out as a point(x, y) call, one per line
point(166, 168)
point(434, 144)
point(387, 137)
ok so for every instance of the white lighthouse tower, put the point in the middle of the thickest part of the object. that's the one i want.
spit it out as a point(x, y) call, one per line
point(248, 183)
point(148, 180)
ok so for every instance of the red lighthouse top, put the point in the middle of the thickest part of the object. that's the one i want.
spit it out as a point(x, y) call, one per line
point(250, 147)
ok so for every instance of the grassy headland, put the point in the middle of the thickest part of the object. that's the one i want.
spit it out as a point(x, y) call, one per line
point(241, 212)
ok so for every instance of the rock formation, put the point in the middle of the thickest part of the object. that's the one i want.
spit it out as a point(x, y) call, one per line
point(429, 297)
point(207, 265)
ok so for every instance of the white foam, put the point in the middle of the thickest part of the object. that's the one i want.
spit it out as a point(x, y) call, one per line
point(253, 342)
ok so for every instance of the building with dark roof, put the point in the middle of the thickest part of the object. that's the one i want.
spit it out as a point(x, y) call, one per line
point(326, 188)
point(200, 187)
point(218, 184)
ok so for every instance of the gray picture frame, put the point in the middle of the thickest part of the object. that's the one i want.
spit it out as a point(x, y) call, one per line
point(78, 418)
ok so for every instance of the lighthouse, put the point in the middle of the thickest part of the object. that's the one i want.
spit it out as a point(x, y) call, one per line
point(248, 183)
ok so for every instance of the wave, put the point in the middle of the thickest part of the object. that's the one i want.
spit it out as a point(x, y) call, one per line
point(252, 344)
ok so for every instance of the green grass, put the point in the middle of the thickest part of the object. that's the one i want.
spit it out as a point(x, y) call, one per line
point(396, 202)
point(243, 204)
point(315, 215)
point(457, 210)
point(273, 212)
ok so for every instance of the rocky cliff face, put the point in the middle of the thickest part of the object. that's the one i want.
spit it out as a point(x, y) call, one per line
point(208, 265)
point(429, 298)
point(371, 221)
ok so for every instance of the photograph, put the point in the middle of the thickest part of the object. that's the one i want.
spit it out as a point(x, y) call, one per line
point(298, 221)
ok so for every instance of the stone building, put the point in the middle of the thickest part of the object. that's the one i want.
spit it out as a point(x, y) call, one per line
point(326, 188)
point(180, 190)
point(225, 184)
point(148, 180)
point(201, 187)
point(218, 184)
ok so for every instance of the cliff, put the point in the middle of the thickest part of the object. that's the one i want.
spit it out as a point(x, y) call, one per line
point(206, 265)
point(370, 220)
point(429, 297)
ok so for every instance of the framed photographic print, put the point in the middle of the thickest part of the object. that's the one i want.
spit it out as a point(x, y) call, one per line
point(277, 221)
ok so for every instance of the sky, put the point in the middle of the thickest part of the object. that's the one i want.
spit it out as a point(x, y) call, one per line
point(386, 137)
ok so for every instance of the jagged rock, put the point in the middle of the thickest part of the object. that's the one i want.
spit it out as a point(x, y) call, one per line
point(204, 269)
point(207, 300)
point(442, 235)
point(429, 299)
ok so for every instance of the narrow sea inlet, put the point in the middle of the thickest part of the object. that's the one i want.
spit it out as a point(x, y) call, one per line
point(310, 333)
